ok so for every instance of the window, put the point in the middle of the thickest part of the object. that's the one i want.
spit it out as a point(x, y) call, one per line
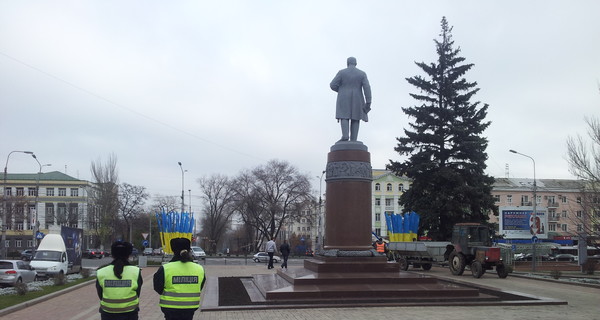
point(551, 199)
point(32, 192)
point(378, 217)
point(74, 192)
point(378, 201)
point(62, 192)
point(578, 199)
point(597, 213)
point(18, 243)
point(496, 198)
point(552, 213)
point(388, 202)
point(377, 187)
point(29, 243)
point(8, 191)
point(579, 213)
point(298, 228)
point(389, 187)
point(579, 228)
point(563, 199)
point(564, 213)
point(538, 199)
point(7, 243)
point(509, 198)
point(307, 228)
point(20, 192)
point(401, 187)
point(524, 200)
point(302, 220)
point(303, 228)
point(552, 227)
point(564, 227)
point(50, 192)
point(378, 232)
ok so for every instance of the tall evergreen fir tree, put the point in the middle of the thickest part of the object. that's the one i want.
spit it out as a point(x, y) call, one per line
point(445, 148)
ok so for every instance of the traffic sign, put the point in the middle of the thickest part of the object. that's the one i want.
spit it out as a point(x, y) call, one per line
point(145, 243)
point(534, 239)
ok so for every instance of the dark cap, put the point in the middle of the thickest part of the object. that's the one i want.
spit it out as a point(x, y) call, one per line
point(121, 249)
point(178, 244)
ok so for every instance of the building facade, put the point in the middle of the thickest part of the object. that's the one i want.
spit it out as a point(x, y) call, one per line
point(387, 189)
point(560, 200)
point(39, 202)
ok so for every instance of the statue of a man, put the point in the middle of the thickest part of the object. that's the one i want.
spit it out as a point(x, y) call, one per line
point(351, 106)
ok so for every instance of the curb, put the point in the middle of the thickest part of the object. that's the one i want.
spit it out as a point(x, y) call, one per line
point(31, 302)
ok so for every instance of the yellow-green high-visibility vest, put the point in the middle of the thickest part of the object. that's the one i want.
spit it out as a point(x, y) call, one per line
point(119, 295)
point(182, 285)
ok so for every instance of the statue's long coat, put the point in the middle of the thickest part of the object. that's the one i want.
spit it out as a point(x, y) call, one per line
point(350, 83)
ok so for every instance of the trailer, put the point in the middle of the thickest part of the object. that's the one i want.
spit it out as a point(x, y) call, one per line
point(420, 254)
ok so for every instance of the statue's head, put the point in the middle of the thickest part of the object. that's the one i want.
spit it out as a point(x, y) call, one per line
point(351, 61)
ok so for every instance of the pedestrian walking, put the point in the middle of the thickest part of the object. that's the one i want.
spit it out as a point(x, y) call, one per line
point(119, 285)
point(284, 249)
point(271, 247)
point(180, 282)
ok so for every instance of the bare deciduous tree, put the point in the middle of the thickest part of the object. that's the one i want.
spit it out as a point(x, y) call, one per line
point(269, 195)
point(583, 157)
point(217, 194)
point(103, 200)
point(131, 201)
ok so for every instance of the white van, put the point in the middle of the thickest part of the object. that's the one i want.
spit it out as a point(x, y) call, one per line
point(51, 258)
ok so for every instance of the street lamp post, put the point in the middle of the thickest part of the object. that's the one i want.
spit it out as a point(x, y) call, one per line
point(182, 191)
point(319, 233)
point(34, 214)
point(4, 195)
point(533, 214)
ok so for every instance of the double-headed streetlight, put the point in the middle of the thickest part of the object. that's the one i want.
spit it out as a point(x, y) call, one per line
point(4, 196)
point(534, 227)
point(34, 216)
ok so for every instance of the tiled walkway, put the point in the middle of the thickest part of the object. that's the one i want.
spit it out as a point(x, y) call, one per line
point(82, 303)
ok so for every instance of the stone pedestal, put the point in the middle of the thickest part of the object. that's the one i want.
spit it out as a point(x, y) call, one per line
point(348, 205)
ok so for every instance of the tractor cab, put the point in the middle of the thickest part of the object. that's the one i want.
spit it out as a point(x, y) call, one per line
point(467, 235)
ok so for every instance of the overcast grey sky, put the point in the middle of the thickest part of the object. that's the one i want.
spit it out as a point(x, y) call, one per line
point(224, 86)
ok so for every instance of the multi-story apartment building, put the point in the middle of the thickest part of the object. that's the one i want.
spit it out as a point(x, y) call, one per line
point(38, 202)
point(560, 199)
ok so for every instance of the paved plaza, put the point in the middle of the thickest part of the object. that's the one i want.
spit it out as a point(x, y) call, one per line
point(82, 303)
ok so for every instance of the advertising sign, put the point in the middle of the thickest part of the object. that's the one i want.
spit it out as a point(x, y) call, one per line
point(519, 223)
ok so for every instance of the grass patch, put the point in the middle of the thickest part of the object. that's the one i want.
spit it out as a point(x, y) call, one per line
point(13, 299)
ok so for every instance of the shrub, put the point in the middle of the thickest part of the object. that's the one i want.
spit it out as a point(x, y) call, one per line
point(85, 273)
point(556, 274)
point(21, 288)
point(60, 279)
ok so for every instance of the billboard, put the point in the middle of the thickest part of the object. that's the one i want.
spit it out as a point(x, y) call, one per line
point(519, 223)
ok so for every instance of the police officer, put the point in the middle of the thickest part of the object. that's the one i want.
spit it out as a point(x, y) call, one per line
point(119, 285)
point(179, 283)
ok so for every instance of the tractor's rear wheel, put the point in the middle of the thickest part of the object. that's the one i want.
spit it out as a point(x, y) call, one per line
point(403, 263)
point(457, 263)
point(501, 270)
point(476, 269)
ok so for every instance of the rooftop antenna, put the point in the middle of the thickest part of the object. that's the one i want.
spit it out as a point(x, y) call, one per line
point(506, 171)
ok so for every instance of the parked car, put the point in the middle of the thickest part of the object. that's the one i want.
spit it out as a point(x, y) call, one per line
point(158, 252)
point(27, 254)
point(93, 253)
point(264, 257)
point(16, 271)
point(135, 253)
point(564, 257)
point(198, 253)
point(147, 252)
